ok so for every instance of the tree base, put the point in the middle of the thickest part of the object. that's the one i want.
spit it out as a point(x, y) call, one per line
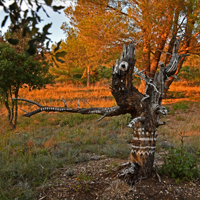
point(131, 173)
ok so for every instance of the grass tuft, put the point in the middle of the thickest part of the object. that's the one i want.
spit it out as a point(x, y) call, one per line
point(180, 106)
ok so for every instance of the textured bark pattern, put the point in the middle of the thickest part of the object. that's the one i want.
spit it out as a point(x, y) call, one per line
point(143, 144)
point(145, 110)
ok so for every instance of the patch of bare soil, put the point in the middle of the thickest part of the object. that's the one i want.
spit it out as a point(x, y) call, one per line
point(96, 179)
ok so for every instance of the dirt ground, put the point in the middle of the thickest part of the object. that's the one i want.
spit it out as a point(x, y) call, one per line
point(95, 180)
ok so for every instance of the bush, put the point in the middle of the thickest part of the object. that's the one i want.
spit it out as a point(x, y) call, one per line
point(180, 164)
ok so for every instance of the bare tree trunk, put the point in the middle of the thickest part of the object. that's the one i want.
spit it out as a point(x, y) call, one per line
point(88, 76)
point(12, 111)
point(145, 60)
point(173, 39)
point(171, 79)
point(16, 107)
point(145, 112)
point(156, 57)
point(188, 37)
point(146, 54)
point(6, 102)
point(141, 158)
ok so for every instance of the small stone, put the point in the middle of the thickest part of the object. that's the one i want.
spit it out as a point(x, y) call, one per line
point(166, 144)
point(95, 157)
point(177, 191)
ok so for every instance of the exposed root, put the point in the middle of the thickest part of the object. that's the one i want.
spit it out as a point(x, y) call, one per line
point(128, 172)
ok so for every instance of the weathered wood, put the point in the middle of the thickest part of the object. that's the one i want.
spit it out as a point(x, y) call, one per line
point(108, 112)
point(145, 109)
point(145, 112)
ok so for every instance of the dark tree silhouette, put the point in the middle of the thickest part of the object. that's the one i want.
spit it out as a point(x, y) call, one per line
point(28, 23)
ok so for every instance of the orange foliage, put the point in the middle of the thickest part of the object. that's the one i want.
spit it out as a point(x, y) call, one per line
point(100, 27)
point(95, 38)
point(98, 31)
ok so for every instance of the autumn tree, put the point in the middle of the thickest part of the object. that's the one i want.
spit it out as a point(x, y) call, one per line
point(160, 22)
point(72, 67)
point(93, 35)
point(160, 29)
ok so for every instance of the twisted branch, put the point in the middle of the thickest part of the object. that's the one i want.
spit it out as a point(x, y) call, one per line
point(106, 112)
point(136, 120)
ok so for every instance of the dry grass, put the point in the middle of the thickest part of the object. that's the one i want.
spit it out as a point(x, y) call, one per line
point(182, 91)
point(181, 87)
point(48, 141)
point(185, 121)
point(98, 95)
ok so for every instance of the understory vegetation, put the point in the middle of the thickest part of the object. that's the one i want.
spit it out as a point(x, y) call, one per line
point(180, 163)
point(43, 144)
point(190, 74)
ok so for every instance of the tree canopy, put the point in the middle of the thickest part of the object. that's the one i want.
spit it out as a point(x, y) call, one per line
point(94, 36)
point(101, 26)
point(97, 29)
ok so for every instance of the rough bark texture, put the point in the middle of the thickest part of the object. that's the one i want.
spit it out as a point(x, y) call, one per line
point(144, 109)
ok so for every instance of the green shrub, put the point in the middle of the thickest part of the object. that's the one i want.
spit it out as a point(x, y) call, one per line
point(180, 164)
point(190, 74)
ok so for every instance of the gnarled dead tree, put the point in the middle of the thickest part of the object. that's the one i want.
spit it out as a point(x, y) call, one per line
point(145, 109)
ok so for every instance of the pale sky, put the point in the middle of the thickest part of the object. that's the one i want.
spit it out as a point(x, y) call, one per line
point(55, 18)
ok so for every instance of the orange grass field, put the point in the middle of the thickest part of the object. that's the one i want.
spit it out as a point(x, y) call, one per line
point(95, 96)
point(98, 95)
